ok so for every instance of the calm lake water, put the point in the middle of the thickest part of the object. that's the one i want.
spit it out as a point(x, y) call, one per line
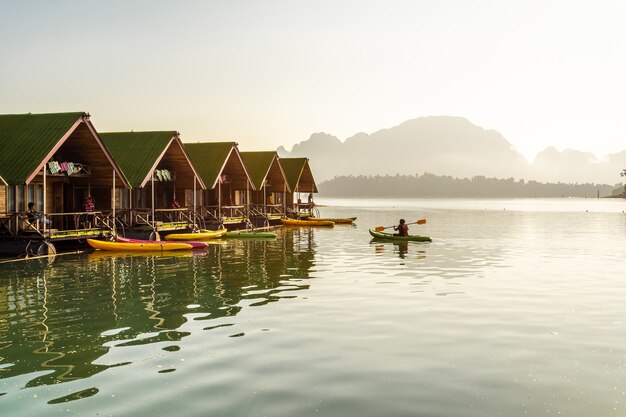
point(516, 308)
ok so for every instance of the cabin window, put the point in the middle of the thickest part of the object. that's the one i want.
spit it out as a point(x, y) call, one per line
point(11, 199)
point(240, 197)
point(278, 198)
point(34, 194)
point(39, 197)
point(30, 193)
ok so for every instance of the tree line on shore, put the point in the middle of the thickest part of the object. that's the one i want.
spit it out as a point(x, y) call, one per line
point(430, 185)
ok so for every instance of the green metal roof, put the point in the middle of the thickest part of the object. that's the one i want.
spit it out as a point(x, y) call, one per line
point(258, 165)
point(292, 167)
point(27, 139)
point(136, 153)
point(209, 158)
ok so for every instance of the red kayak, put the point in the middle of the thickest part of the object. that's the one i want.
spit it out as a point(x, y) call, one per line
point(194, 245)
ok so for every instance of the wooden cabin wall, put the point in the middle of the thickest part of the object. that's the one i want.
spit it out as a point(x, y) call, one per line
point(290, 199)
point(3, 198)
point(50, 186)
point(257, 197)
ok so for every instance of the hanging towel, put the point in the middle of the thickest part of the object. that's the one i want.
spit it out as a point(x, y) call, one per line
point(54, 167)
point(89, 205)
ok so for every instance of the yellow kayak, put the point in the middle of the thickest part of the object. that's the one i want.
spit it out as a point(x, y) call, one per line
point(347, 220)
point(294, 222)
point(200, 236)
point(137, 247)
point(112, 254)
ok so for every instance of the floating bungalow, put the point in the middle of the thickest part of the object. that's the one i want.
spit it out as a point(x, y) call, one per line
point(300, 181)
point(269, 197)
point(57, 162)
point(226, 198)
point(162, 178)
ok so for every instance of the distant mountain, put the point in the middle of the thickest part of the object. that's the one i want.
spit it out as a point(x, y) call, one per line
point(569, 165)
point(445, 145)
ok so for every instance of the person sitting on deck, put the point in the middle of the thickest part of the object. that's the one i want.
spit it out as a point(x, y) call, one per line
point(402, 229)
point(33, 215)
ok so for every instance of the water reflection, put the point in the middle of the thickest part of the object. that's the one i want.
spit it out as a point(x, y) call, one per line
point(399, 248)
point(443, 258)
point(57, 323)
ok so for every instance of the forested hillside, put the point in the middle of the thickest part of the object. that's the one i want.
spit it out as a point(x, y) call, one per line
point(430, 185)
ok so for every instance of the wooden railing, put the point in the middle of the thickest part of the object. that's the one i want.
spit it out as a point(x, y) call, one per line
point(136, 217)
point(16, 224)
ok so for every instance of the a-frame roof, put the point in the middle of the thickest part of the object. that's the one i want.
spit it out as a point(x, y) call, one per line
point(259, 164)
point(298, 174)
point(139, 153)
point(210, 159)
point(28, 141)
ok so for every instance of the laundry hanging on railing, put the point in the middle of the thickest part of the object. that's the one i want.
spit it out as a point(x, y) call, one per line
point(68, 168)
point(162, 175)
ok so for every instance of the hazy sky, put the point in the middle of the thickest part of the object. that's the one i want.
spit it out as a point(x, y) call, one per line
point(267, 73)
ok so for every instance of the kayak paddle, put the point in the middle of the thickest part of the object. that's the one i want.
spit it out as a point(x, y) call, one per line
point(381, 228)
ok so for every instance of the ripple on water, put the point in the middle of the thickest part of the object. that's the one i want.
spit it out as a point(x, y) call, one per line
point(497, 305)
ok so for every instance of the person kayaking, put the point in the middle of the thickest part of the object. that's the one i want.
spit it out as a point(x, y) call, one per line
point(402, 229)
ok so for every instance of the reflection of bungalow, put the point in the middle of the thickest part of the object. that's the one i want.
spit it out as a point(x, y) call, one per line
point(221, 169)
point(269, 197)
point(56, 161)
point(161, 175)
point(300, 180)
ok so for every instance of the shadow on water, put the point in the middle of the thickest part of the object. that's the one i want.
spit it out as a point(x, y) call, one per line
point(55, 323)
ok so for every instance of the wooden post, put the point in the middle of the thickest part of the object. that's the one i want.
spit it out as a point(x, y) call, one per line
point(219, 199)
point(113, 191)
point(152, 187)
point(45, 197)
point(194, 202)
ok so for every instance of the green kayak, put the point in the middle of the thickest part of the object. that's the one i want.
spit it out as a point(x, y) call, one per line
point(246, 234)
point(393, 238)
